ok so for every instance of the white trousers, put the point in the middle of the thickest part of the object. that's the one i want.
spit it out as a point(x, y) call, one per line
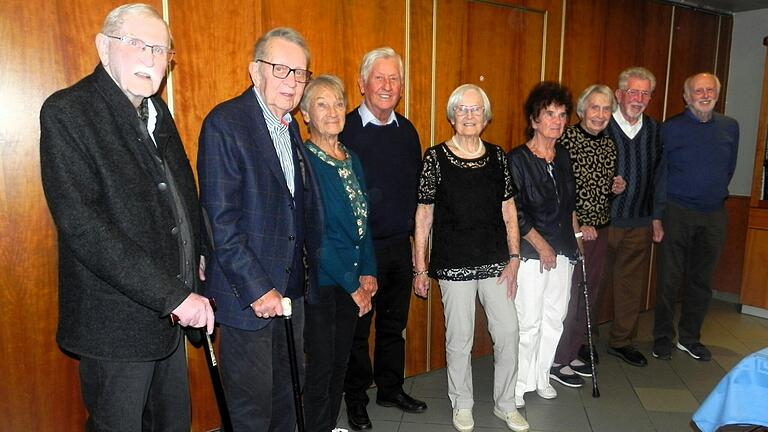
point(459, 309)
point(542, 303)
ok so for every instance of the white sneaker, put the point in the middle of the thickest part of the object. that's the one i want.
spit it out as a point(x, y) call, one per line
point(547, 392)
point(462, 420)
point(519, 401)
point(513, 419)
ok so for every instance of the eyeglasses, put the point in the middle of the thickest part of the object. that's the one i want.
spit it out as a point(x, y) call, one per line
point(140, 45)
point(466, 110)
point(282, 71)
point(633, 93)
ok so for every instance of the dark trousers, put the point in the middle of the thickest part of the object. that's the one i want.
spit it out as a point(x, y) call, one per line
point(692, 244)
point(575, 324)
point(626, 269)
point(135, 396)
point(328, 333)
point(256, 375)
point(391, 305)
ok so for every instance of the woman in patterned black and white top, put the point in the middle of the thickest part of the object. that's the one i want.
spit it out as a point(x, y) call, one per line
point(466, 200)
point(593, 158)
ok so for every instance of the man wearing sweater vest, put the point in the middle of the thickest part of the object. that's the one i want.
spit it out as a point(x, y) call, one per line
point(700, 148)
point(635, 214)
point(390, 152)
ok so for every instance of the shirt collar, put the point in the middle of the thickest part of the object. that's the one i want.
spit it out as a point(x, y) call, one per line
point(270, 117)
point(630, 129)
point(367, 116)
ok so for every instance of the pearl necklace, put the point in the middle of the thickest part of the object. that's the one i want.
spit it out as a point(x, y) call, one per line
point(470, 155)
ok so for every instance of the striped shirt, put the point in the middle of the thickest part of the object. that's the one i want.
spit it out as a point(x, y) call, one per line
point(281, 138)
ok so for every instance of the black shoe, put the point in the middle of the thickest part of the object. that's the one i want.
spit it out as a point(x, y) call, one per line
point(584, 355)
point(568, 380)
point(696, 350)
point(662, 348)
point(403, 401)
point(584, 370)
point(630, 355)
point(357, 417)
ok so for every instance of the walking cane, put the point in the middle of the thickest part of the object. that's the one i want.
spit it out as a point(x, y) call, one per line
point(287, 312)
point(595, 389)
point(213, 369)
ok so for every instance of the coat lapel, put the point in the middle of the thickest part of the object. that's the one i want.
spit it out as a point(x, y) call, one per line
point(261, 139)
point(134, 138)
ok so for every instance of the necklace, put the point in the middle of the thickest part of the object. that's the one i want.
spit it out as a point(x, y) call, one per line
point(541, 154)
point(470, 155)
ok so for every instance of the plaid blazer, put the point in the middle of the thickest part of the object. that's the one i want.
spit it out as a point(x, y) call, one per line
point(245, 197)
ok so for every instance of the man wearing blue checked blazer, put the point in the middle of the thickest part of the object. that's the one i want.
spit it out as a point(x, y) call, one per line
point(261, 197)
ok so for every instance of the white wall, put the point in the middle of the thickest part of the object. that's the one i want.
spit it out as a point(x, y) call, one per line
point(744, 90)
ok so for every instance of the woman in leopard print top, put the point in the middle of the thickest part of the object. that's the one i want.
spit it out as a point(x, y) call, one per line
point(593, 157)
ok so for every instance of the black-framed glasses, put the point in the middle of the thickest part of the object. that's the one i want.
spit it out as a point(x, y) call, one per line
point(140, 45)
point(282, 71)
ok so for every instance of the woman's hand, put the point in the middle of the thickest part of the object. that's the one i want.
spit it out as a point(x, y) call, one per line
point(421, 285)
point(547, 257)
point(362, 298)
point(588, 233)
point(509, 275)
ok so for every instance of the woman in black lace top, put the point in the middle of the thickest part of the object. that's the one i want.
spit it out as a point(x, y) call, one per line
point(466, 200)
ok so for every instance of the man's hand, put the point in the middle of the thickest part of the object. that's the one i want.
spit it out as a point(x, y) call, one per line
point(619, 185)
point(658, 231)
point(201, 270)
point(362, 298)
point(268, 305)
point(195, 311)
point(370, 284)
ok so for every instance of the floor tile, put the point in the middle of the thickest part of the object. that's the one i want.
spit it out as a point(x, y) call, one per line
point(672, 422)
point(667, 400)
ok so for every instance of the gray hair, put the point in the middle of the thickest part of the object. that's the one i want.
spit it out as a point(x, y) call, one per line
point(379, 53)
point(116, 18)
point(328, 82)
point(636, 72)
point(285, 33)
point(456, 96)
point(589, 91)
point(687, 84)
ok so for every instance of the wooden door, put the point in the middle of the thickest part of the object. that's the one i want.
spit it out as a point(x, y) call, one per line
point(501, 46)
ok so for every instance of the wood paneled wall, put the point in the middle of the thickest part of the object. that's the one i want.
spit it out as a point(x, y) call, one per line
point(503, 45)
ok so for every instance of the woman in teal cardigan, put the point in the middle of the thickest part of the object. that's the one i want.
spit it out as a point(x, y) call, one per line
point(347, 276)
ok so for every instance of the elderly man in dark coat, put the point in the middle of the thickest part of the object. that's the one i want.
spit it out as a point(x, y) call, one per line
point(123, 198)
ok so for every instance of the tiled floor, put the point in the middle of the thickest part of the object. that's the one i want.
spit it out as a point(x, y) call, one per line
point(659, 397)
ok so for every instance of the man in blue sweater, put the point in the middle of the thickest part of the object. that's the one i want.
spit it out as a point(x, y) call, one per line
point(390, 152)
point(700, 146)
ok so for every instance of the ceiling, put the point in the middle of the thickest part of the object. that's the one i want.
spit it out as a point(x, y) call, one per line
point(726, 5)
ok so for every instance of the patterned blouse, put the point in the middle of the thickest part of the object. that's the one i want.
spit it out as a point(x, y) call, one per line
point(444, 175)
point(594, 165)
point(349, 182)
